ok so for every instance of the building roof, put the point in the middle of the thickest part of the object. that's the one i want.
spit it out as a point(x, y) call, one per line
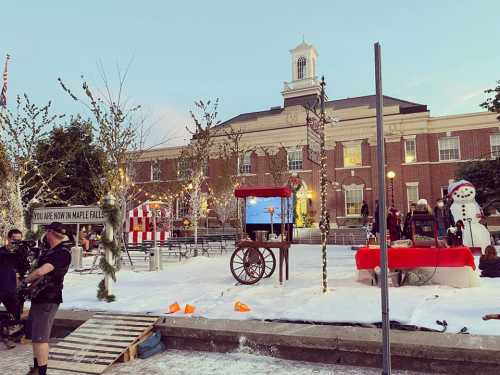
point(358, 101)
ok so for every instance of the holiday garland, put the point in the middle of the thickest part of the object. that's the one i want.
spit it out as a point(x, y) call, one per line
point(114, 219)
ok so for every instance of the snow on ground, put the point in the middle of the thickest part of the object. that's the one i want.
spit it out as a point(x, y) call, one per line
point(208, 284)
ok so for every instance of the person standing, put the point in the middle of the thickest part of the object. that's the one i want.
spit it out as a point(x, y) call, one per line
point(394, 224)
point(442, 216)
point(375, 226)
point(13, 266)
point(406, 225)
point(53, 265)
point(364, 213)
point(10, 265)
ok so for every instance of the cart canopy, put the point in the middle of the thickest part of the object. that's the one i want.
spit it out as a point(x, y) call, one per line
point(263, 191)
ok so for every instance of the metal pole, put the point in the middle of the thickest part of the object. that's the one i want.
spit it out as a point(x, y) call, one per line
point(77, 234)
point(392, 192)
point(324, 226)
point(386, 349)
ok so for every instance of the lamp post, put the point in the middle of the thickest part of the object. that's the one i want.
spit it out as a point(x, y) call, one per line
point(390, 176)
point(324, 225)
point(155, 257)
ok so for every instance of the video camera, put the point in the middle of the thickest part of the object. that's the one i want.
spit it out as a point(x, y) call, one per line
point(27, 254)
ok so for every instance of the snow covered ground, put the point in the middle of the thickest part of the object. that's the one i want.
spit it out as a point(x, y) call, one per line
point(207, 284)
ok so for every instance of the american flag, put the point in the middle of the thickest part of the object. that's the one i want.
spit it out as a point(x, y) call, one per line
point(3, 94)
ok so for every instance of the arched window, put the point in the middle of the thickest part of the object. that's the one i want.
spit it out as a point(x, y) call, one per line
point(301, 67)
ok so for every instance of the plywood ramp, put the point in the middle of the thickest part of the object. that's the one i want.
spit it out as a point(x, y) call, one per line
point(100, 342)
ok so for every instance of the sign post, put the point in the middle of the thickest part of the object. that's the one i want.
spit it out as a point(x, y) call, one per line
point(71, 215)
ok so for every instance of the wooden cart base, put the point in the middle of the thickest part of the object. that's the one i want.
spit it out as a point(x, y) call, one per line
point(255, 264)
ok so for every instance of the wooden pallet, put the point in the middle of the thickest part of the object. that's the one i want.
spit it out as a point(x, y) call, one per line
point(100, 342)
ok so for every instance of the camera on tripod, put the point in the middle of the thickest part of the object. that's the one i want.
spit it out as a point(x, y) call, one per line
point(27, 254)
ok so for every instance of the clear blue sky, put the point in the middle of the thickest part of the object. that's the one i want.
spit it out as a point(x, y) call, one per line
point(441, 53)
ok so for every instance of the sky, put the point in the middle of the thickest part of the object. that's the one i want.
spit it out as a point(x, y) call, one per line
point(440, 53)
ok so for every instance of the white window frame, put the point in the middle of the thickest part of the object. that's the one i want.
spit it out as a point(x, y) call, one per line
point(441, 140)
point(301, 67)
point(155, 172)
point(414, 141)
point(411, 185)
point(185, 204)
point(495, 145)
point(295, 164)
point(246, 163)
point(183, 171)
point(352, 145)
point(353, 188)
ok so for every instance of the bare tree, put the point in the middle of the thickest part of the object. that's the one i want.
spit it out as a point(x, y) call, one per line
point(277, 163)
point(20, 133)
point(196, 155)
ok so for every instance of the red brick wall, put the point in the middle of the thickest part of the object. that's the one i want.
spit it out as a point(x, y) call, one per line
point(427, 171)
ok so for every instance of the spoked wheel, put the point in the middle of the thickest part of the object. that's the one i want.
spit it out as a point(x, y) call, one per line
point(270, 262)
point(247, 265)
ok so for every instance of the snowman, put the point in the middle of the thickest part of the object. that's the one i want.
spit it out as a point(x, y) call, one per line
point(466, 209)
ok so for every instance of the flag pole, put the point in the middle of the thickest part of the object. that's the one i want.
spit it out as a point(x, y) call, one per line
point(386, 347)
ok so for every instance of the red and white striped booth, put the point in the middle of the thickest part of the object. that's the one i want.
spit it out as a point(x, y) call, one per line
point(140, 224)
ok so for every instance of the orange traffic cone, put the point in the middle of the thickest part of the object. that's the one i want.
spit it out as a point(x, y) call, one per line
point(189, 309)
point(241, 307)
point(173, 308)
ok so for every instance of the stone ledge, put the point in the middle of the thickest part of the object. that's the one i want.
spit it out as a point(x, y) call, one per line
point(417, 351)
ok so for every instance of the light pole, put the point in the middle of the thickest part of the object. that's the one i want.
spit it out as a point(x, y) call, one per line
point(155, 257)
point(390, 176)
point(324, 224)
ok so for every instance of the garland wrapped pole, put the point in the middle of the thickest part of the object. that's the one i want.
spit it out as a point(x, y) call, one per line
point(112, 250)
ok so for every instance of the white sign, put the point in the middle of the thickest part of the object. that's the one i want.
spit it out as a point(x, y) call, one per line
point(68, 215)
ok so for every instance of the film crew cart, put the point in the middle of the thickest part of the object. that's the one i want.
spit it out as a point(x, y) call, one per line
point(254, 259)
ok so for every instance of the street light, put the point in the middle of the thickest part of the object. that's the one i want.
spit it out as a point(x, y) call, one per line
point(155, 257)
point(390, 176)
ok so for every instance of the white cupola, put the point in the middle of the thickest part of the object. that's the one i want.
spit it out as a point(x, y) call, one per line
point(304, 81)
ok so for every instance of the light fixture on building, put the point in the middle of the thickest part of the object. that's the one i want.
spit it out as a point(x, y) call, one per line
point(390, 176)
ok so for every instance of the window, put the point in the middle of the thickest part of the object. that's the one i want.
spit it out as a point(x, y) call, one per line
point(495, 145)
point(412, 193)
point(352, 154)
point(353, 200)
point(183, 207)
point(410, 150)
point(301, 67)
point(246, 163)
point(449, 148)
point(183, 168)
point(205, 167)
point(155, 171)
point(295, 160)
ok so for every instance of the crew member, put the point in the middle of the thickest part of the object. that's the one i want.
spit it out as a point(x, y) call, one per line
point(53, 265)
point(10, 269)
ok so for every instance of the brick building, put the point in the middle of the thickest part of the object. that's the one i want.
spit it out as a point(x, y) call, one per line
point(423, 151)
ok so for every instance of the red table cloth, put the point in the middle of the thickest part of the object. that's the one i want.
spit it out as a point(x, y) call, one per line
point(414, 257)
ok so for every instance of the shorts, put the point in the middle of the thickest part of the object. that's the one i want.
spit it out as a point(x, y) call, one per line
point(42, 318)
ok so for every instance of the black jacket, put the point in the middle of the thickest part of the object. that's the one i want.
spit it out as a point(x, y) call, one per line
point(10, 264)
point(490, 267)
